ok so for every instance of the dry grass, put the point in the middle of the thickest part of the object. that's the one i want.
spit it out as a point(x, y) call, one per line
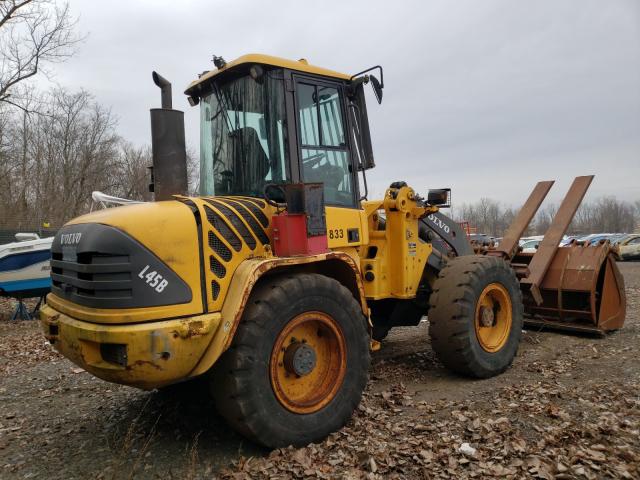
point(192, 464)
point(124, 465)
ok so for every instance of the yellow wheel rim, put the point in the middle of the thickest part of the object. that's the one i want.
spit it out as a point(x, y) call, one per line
point(308, 362)
point(493, 317)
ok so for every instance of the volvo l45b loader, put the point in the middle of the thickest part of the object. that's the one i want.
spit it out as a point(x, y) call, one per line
point(276, 282)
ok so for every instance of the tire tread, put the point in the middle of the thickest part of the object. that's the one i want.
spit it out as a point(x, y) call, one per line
point(452, 308)
point(231, 383)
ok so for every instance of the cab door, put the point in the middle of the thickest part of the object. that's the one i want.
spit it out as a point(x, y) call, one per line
point(325, 155)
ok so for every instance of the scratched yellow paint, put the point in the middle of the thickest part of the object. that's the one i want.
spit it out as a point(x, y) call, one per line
point(158, 353)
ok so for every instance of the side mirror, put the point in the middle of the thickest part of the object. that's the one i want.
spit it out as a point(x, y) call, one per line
point(361, 133)
point(377, 85)
point(439, 197)
point(377, 88)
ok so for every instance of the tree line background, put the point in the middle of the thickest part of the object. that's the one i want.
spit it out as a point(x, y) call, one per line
point(603, 215)
point(54, 156)
point(58, 146)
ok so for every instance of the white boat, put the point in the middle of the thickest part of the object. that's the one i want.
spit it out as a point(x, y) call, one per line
point(24, 266)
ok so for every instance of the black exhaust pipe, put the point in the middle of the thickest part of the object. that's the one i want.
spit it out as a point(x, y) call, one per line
point(169, 171)
point(165, 89)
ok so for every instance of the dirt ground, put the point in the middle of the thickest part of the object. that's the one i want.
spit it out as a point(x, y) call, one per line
point(568, 408)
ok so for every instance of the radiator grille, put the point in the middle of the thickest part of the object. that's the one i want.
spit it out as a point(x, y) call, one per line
point(259, 214)
point(217, 267)
point(221, 226)
point(105, 267)
point(236, 222)
point(259, 202)
point(236, 228)
point(92, 276)
point(258, 231)
point(215, 289)
point(219, 247)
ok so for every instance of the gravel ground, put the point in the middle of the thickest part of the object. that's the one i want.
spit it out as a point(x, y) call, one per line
point(568, 408)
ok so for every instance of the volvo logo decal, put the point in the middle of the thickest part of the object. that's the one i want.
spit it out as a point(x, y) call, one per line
point(70, 238)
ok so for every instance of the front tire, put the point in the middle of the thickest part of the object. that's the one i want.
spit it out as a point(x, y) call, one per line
point(298, 363)
point(476, 316)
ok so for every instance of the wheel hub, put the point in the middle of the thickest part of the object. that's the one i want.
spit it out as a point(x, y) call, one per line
point(308, 362)
point(487, 318)
point(493, 317)
point(300, 359)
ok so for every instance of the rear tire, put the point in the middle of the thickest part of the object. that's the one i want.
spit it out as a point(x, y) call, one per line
point(267, 396)
point(476, 316)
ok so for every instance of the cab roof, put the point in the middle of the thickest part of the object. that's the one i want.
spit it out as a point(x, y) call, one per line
point(300, 65)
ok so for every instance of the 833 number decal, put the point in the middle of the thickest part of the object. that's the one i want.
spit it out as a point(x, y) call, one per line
point(335, 233)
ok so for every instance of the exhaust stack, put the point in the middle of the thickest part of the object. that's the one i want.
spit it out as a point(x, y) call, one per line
point(165, 89)
point(169, 170)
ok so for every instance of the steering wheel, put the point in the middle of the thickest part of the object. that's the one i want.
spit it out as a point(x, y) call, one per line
point(272, 190)
point(313, 160)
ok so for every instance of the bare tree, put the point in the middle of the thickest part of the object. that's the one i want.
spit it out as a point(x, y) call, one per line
point(51, 163)
point(613, 215)
point(584, 219)
point(6, 142)
point(193, 172)
point(33, 34)
point(486, 216)
point(55, 161)
point(604, 215)
point(82, 140)
point(133, 175)
point(544, 217)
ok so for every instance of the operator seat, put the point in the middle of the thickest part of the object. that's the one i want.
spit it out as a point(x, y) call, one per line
point(248, 148)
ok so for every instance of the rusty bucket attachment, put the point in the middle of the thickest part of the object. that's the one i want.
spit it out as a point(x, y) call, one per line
point(577, 288)
point(582, 290)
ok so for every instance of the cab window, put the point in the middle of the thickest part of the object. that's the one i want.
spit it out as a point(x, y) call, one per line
point(324, 153)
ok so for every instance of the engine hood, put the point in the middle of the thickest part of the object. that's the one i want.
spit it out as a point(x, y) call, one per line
point(126, 264)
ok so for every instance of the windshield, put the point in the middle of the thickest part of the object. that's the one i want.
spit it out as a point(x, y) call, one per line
point(242, 136)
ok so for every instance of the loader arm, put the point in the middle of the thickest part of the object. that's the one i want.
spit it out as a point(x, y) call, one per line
point(448, 231)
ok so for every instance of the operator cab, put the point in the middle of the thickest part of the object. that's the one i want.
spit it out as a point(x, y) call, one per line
point(266, 120)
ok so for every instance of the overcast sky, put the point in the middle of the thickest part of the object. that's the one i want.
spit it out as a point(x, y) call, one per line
point(486, 97)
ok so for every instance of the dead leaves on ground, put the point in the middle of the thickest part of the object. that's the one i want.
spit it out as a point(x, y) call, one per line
point(548, 432)
point(23, 343)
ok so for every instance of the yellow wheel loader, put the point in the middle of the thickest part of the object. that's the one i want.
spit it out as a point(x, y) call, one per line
point(279, 279)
